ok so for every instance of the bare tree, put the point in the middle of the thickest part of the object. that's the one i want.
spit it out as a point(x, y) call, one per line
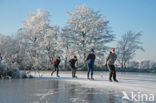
point(127, 46)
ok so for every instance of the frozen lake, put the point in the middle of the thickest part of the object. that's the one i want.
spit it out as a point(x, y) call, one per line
point(47, 89)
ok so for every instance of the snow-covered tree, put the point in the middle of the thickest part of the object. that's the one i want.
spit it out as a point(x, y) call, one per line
point(127, 46)
point(9, 47)
point(68, 45)
point(147, 64)
point(90, 30)
point(38, 39)
point(133, 64)
point(52, 44)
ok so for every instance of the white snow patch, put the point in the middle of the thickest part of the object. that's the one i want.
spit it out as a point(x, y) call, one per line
point(143, 82)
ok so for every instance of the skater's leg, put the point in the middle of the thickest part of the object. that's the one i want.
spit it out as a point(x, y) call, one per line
point(92, 70)
point(110, 74)
point(114, 74)
point(88, 71)
point(75, 72)
point(72, 69)
point(57, 71)
point(54, 69)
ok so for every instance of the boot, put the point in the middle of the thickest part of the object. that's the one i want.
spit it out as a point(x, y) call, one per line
point(92, 78)
point(52, 74)
point(116, 81)
point(110, 80)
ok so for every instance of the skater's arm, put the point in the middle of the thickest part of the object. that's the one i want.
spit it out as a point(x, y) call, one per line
point(87, 57)
point(108, 67)
point(107, 58)
point(77, 62)
point(115, 56)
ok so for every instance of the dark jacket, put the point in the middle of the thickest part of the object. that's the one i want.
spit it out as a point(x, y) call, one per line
point(72, 61)
point(91, 58)
point(0, 59)
point(57, 62)
point(111, 58)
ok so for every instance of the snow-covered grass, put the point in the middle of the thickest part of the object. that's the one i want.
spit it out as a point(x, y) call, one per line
point(137, 82)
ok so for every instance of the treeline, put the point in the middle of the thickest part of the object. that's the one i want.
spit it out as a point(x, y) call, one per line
point(37, 43)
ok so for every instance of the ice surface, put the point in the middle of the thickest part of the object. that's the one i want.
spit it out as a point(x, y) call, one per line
point(47, 89)
point(145, 82)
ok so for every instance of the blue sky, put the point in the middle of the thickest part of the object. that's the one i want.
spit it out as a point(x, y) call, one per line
point(124, 15)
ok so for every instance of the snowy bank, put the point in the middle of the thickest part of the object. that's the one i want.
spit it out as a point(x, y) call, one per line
point(8, 72)
point(137, 82)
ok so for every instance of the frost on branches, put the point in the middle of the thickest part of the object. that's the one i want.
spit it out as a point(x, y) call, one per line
point(90, 30)
point(39, 41)
point(127, 47)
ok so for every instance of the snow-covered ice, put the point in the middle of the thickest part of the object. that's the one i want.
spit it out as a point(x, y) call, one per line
point(47, 89)
point(127, 81)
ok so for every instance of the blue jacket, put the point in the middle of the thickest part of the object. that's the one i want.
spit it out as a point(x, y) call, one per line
point(91, 58)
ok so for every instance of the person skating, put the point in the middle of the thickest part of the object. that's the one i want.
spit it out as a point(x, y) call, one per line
point(110, 60)
point(56, 63)
point(0, 58)
point(72, 66)
point(91, 60)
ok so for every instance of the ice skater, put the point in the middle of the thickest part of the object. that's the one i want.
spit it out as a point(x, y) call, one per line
point(0, 58)
point(55, 64)
point(90, 61)
point(110, 60)
point(72, 66)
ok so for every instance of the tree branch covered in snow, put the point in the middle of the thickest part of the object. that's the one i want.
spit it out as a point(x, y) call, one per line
point(89, 30)
point(37, 43)
point(127, 46)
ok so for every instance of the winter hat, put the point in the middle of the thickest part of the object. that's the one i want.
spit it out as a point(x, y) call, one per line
point(92, 50)
point(75, 58)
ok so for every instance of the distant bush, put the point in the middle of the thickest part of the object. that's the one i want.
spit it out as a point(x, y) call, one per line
point(13, 72)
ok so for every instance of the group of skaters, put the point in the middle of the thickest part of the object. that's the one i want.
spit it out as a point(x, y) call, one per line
point(90, 60)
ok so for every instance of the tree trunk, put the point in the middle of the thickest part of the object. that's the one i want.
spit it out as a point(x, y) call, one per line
point(84, 62)
point(122, 66)
point(84, 51)
point(65, 64)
